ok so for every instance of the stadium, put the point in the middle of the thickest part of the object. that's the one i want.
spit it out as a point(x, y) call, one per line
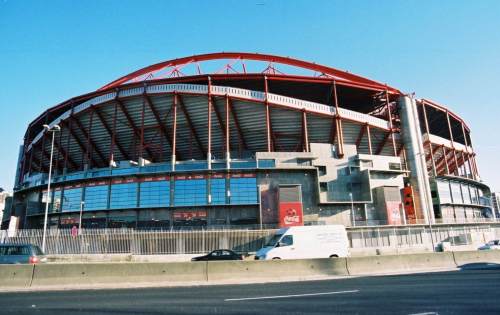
point(246, 140)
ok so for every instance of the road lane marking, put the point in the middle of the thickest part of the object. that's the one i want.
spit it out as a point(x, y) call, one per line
point(426, 313)
point(290, 296)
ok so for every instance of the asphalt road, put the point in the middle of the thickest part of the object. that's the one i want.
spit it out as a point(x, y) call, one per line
point(458, 292)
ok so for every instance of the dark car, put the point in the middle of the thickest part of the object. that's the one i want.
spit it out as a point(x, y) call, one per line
point(219, 254)
point(21, 254)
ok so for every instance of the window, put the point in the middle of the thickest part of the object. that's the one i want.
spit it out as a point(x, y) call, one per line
point(72, 199)
point(265, 163)
point(287, 240)
point(155, 194)
point(96, 197)
point(303, 162)
point(456, 192)
point(243, 190)
point(322, 170)
point(123, 196)
point(444, 192)
point(323, 186)
point(395, 166)
point(368, 163)
point(218, 191)
point(190, 192)
point(56, 201)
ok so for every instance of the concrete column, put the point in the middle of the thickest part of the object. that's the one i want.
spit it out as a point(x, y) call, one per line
point(413, 143)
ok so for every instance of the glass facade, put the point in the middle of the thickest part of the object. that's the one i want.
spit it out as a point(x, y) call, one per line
point(155, 194)
point(56, 201)
point(154, 191)
point(71, 199)
point(123, 196)
point(456, 193)
point(96, 197)
point(190, 192)
point(243, 190)
point(218, 191)
point(444, 192)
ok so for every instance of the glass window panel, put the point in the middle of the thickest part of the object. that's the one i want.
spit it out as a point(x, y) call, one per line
point(466, 194)
point(96, 197)
point(55, 205)
point(243, 190)
point(218, 191)
point(456, 192)
point(123, 196)
point(444, 192)
point(190, 192)
point(72, 199)
point(155, 194)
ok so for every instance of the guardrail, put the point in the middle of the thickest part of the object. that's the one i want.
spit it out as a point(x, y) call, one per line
point(137, 242)
point(92, 274)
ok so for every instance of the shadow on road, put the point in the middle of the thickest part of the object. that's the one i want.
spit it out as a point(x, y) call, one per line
point(479, 266)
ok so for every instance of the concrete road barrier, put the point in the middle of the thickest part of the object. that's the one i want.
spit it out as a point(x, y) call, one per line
point(399, 263)
point(477, 257)
point(106, 273)
point(85, 274)
point(276, 269)
point(15, 276)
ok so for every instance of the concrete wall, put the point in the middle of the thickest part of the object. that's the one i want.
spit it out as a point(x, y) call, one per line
point(194, 273)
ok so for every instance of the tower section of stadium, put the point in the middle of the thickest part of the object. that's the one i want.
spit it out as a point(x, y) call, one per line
point(242, 139)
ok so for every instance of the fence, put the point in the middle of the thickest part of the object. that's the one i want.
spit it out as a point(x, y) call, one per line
point(119, 241)
point(408, 236)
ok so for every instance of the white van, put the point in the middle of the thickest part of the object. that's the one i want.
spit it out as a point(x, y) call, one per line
point(299, 242)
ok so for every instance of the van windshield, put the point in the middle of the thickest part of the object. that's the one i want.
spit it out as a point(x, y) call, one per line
point(274, 240)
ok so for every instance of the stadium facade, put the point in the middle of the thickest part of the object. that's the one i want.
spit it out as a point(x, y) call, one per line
point(243, 139)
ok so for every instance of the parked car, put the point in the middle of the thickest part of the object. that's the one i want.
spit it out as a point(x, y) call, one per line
point(495, 244)
point(219, 254)
point(21, 254)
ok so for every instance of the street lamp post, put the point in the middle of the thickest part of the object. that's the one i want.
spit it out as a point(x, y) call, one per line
point(82, 203)
point(53, 129)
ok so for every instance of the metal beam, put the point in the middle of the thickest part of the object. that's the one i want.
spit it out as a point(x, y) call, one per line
point(362, 130)
point(209, 123)
point(131, 122)
point(305, 133)
point(78, 141)
point(92, 143)
point(339, 133)
point(163, 129)
point(237, 124)
point(430, 144)
point(391, 127)
point(110, 133)
point(268, 116)
point(382, 144)
point(174, 133)
point(222, 125)
point(369, 135)
point(191, 126)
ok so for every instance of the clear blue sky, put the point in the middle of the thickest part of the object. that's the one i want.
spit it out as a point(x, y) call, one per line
point(447, 51)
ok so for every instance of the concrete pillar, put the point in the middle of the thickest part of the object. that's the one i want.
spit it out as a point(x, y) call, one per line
point(413, 143)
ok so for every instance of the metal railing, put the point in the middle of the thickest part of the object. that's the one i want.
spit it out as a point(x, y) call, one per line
point(160, 242)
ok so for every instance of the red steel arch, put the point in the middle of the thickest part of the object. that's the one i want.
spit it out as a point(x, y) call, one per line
point(334, 73)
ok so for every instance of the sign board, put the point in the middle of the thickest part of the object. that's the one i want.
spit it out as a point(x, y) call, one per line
point(190, 215)
point(393, 212)
point(290, 214)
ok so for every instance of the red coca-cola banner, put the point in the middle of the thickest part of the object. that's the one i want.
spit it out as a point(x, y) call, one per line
point(290, 214)
point(393, 212)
